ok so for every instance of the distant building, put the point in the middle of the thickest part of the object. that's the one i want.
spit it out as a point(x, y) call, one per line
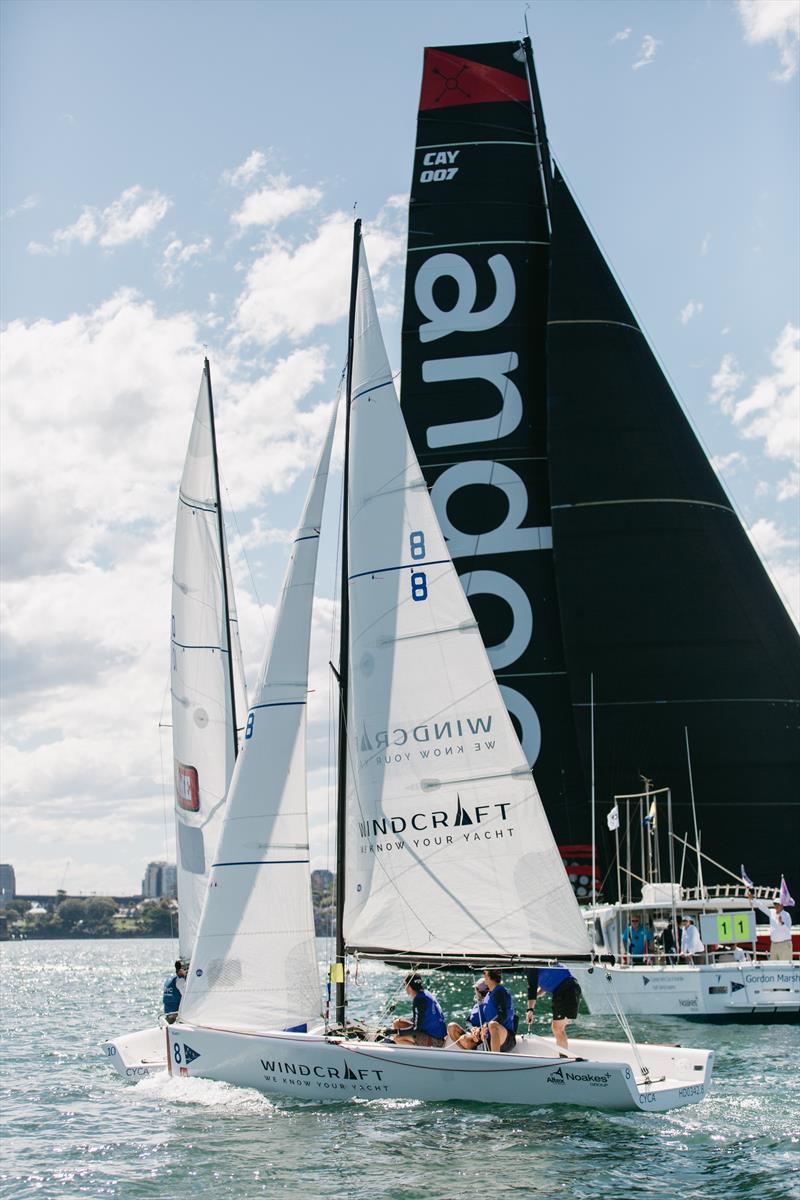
point(8, 883)
point(160, 879)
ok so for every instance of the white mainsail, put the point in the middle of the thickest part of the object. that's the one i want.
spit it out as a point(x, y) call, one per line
point(449, 850)
point(255, 965)
point(202, 636)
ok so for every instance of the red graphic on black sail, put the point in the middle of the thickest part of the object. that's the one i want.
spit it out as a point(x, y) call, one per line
point(448, 79)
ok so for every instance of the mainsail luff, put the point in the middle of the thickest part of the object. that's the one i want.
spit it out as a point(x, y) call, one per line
point(255, 964)
point(343, 678)
point(207, 675)
point(448, 848)
point(227, 591)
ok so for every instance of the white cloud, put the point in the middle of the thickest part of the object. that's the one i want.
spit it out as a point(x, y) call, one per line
point(789, 487)
point(24, 206)
point(96, 413)
point(275, 202)
point(779, 551)
point(725, 383)
point(177, 254)
point(290, 290)
point(691, 310)
point(775, 21)
point(728, 464)
point(705, 245)
point(770, 410)
point(647, 51)
point(252, 166)
point(621, 36)
point(133, 215)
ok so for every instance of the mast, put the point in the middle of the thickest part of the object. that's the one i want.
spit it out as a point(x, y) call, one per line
point(538, 117)
point(223, 560)
point(344, 637)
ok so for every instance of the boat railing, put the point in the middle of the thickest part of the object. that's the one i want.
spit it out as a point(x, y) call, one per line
point(728, 891)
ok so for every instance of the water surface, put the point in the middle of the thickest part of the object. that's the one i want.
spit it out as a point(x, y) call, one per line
point(73, 1128)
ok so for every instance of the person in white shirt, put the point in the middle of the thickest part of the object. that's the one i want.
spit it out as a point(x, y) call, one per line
point(780, 928)
point(690, 940)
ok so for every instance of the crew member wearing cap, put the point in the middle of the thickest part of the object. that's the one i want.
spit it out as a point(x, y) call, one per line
point(427, 1026)
point(780, 928)
point(499, 1021)
point(565, 992)
point(470, 1039)
point(691, 944)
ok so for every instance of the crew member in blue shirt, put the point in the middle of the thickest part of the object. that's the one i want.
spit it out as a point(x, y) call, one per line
point(499, 1027)
point(566, 997)
point(470, 1039)
point(173, 991)
point(638, 939)
point(427, 1026)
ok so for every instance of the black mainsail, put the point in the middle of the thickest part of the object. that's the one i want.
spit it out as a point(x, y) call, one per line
point(661, 593)
point(588, 526)
point(474, 385)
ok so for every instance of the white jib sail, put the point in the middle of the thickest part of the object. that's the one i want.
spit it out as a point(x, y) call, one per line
point(254, 965)
point(449, 850)
point(202, 723)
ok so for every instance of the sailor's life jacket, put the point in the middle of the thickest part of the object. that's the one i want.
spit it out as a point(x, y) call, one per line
point(172, 997)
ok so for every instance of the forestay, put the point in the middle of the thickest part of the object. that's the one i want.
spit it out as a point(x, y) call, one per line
point(202, 721)
point(449, 850)
point(255, 965)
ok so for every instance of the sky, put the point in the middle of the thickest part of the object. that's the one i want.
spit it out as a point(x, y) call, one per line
point(179, 178)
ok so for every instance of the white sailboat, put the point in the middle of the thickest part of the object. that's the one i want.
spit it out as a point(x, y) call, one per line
point(208, 691)
point(448, 854)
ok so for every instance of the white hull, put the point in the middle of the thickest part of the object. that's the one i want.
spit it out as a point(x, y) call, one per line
point(140, 1054)
point(743, 990)
point(600, 1075)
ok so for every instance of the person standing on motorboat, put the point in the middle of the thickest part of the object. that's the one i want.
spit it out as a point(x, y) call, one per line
point(690, 940)
point(780, 928)
point(637, 939)
point(565, 992)
point(427, 1026)
point(668, 944)
point(499, 1027)
point(174, 987)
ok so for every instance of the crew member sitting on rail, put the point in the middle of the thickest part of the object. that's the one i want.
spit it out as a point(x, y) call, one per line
point(427, 1026)
point(470, 1039)
point(499, 1020)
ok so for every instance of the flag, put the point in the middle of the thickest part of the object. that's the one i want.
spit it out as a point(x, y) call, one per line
point(613, 818)
point(784, 898)
point(746, 880)
point(650, 819)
